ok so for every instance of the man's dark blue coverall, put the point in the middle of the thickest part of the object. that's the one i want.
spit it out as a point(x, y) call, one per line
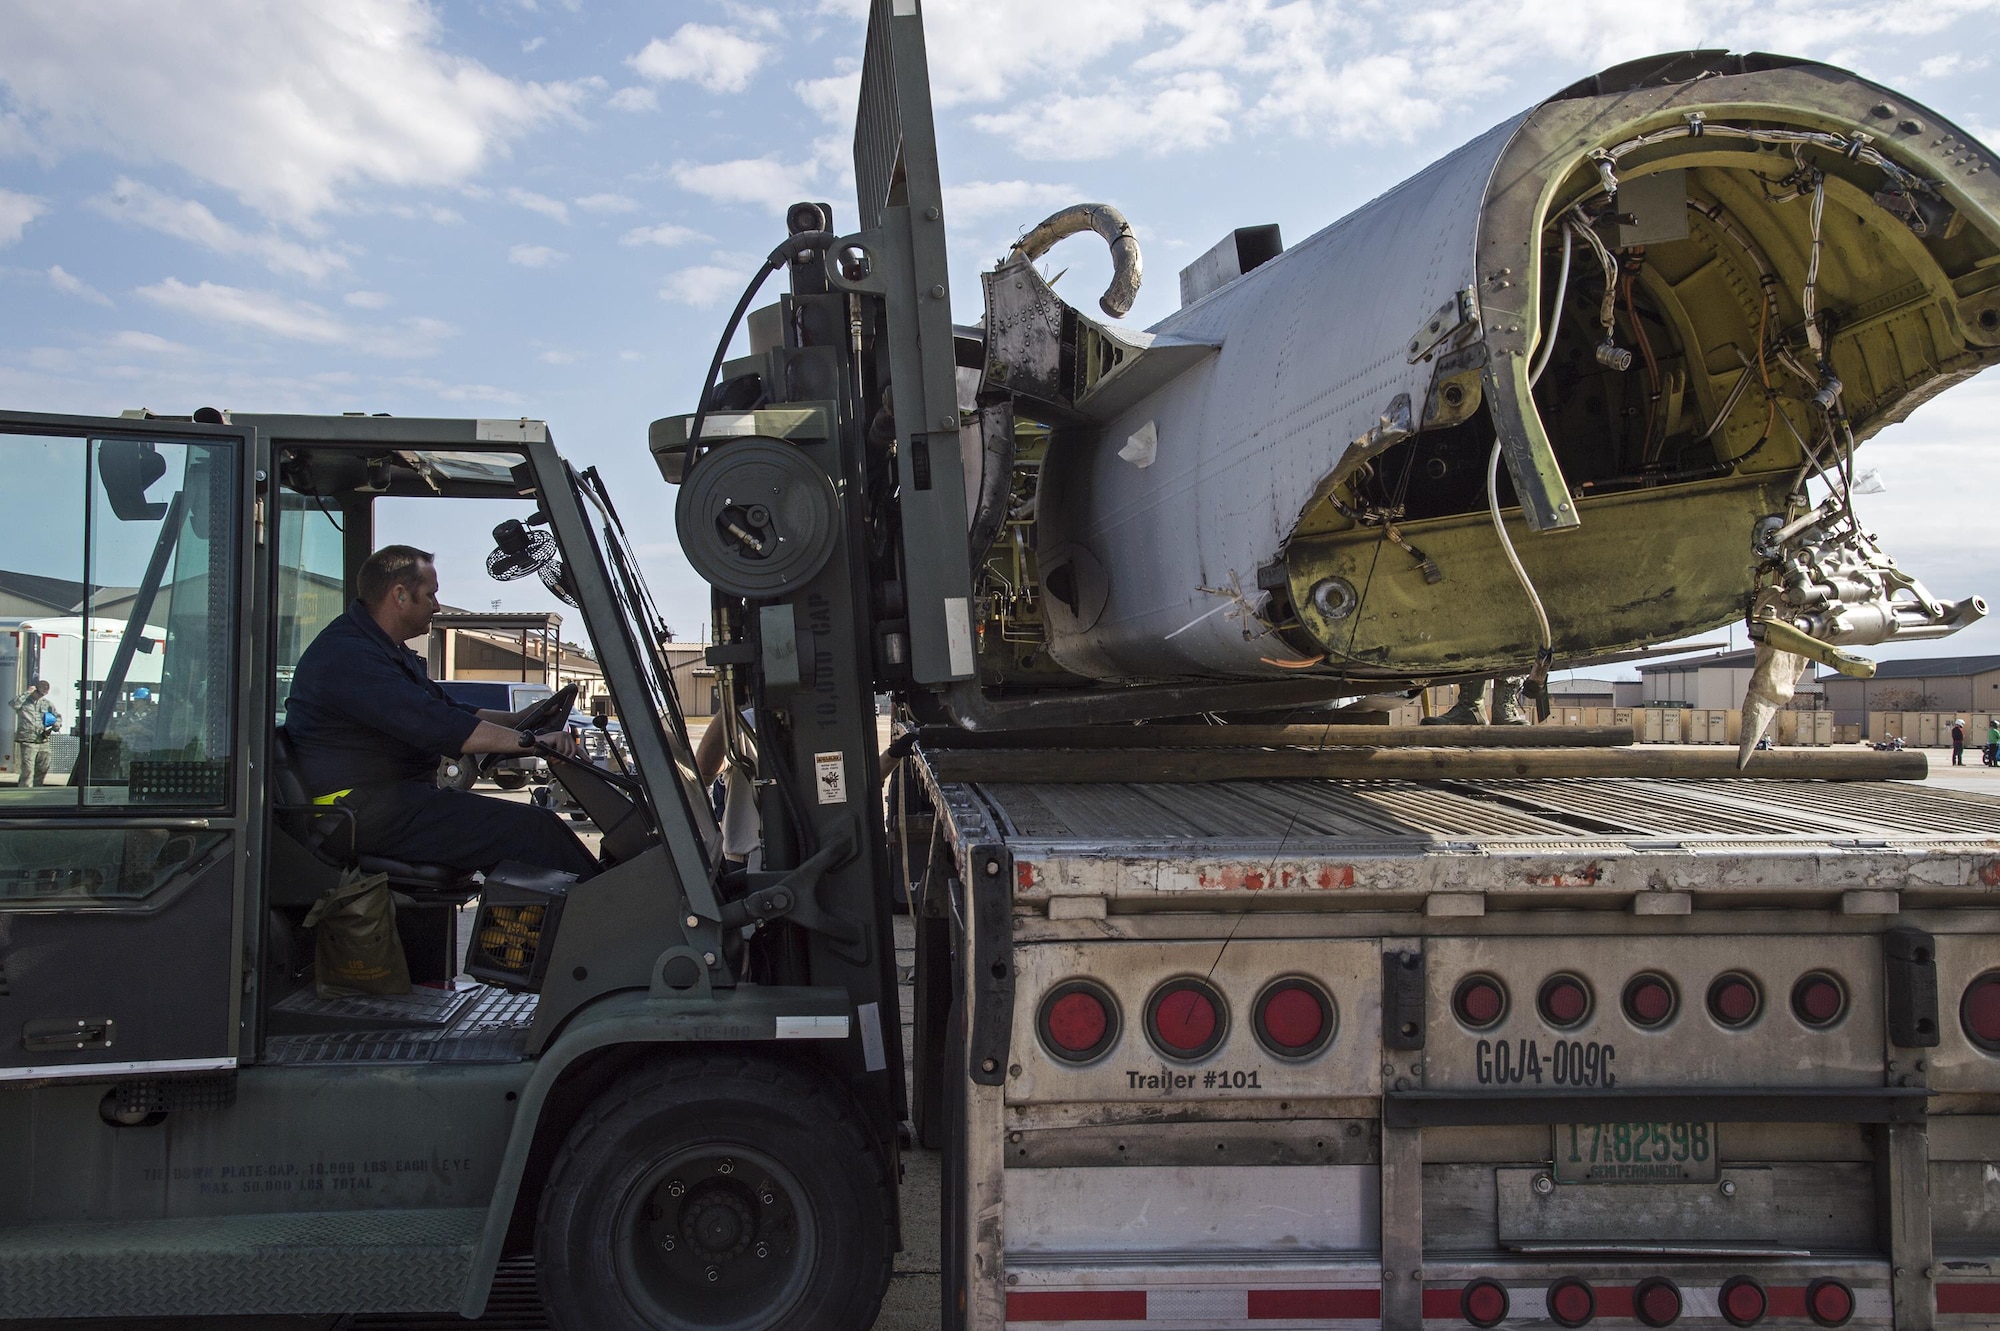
point(365, 718)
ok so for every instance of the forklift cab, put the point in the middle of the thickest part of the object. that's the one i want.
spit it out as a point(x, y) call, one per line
point(170, 833)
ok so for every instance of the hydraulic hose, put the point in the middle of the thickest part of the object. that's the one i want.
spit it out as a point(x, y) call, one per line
point(1547, 652)
point(1555, 315)
point(805, 242)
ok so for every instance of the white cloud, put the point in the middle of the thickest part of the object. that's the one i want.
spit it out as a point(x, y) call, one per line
point(450, 392)
point(427, 212)
point(1083, 79)
point(184, 219)
point(769, 181)
point(534, 256)
point(607, 203)
point(539, 203)
point(533, 44)
point(704, 284)
point(16, 211)
point(264, 311)
point(1190, 111)
point(630, 355)
point(832, 98)
point(315, 100)
point(71, 285)
point(1377, 97)
point(666, 233)
point(559, 358)
point(634, 98)
point(980, 50)
point(715, 59)
point(297, 321)
point(151, 343)
point(367, 300)
point(976, 200)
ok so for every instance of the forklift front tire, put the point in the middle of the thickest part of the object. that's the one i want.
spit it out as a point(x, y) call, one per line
point(719, 1193)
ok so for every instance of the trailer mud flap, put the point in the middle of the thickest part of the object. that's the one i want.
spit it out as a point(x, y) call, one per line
point(989, 901)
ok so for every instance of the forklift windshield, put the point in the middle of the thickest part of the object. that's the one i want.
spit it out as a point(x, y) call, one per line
point(640, 618)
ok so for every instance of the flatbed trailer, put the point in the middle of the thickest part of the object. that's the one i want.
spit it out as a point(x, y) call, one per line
point(1318, 1052)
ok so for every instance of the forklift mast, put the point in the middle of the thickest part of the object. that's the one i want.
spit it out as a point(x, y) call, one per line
point(821, 494)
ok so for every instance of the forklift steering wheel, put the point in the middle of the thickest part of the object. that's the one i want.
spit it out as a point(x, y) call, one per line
point(551, 711)
point(543, 716)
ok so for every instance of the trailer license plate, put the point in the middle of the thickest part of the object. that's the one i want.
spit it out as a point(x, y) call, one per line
point(1635, 1153)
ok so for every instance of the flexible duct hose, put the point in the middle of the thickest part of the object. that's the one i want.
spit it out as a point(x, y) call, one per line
point(1107, 222)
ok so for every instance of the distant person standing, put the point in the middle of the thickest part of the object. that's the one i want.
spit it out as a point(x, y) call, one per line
point(1993, 742)
point(1958, 742)
point(34, 722)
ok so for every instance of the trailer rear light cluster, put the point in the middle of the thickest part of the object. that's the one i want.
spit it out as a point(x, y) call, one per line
point(1651, 1000)
point(1818, 999)
point(1657, 1301)
point(1979, 1012)
point(1572, 1302)
point(1187, 1018)
point(1484, 1303)
point(1479, 1001)
point(1078, 1021)
point(1564, 1001)
point(1829, 1302)
point(1294, 1018)
point(1742, 1301)
point(1733, 1000)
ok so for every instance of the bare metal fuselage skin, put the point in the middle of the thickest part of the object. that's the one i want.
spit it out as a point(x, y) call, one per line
point(1288, 474)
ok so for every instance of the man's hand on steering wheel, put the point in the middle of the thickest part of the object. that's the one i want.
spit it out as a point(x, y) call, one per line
point(561, 741)
point(500, 735)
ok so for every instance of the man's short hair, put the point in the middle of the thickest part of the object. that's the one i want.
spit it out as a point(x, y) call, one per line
point(41, 683)
point(390, 567)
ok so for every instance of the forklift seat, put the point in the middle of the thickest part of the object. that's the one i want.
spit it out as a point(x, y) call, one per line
point(327, 830)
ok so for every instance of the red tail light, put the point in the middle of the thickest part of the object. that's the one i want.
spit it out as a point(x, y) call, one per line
point(1572, 1302)
point(1186, 1018)
point(1079, 1021)
point(1294, 1018)
point(1649, 1000)
point(1484, 1303)
point(1564, 1000)
point(1479, 1001)
point(1733, 999)
point(1742, 1301)
point(1829, 1302)
point(1657, 1301)
point(1818, 999)
point(1979, 1012)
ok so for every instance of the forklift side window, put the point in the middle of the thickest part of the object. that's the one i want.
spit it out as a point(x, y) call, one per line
point(311, 591)
point(119, 579)
point(79, 865)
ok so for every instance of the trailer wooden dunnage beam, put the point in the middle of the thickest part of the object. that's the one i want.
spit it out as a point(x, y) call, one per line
point(1146, 766)
point(1292, 737)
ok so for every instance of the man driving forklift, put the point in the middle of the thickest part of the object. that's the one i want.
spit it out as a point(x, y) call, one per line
point(368, 725)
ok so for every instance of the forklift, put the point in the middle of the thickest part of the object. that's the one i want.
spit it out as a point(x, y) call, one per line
point(676, 1083)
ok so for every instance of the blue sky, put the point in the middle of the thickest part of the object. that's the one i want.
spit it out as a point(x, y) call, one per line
point(546, 207)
